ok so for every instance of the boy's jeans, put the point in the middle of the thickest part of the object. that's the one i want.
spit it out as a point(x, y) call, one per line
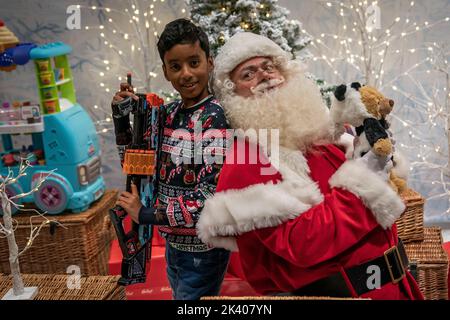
point(195, 274)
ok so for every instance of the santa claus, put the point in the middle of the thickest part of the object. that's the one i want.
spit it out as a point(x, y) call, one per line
point(310, 222)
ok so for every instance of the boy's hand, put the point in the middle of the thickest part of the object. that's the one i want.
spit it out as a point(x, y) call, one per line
point(131, 202)
point(126, 91)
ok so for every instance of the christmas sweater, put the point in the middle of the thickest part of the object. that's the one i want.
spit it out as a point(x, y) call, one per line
point(192, 153)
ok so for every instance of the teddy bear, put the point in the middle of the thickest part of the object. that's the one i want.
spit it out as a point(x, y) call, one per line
point(365, 108)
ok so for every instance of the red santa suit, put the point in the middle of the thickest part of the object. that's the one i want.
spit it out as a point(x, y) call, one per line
point(294, 227)
point(306, 222)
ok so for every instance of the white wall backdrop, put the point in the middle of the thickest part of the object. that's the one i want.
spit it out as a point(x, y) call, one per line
point(98, 65)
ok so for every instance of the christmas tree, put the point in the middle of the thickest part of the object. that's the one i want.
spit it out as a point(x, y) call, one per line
point(222, 19)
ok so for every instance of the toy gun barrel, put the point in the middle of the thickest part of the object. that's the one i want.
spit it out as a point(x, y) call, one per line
point(139, 122)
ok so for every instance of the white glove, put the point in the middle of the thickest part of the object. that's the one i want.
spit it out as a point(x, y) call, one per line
point(382, 166)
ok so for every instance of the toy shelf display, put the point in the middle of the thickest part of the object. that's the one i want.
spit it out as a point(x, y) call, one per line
point(53, 76)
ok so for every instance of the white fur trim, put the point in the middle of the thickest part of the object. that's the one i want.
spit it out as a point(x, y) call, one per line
point(401, 168)
point(233, 212)
point(346, 140)
point(375, 193)
point(242, 46)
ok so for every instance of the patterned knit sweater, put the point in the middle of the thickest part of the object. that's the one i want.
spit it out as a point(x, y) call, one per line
point(192, 153)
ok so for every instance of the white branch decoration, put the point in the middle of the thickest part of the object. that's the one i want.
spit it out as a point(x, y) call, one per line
point(9, 225)
point(394, 58)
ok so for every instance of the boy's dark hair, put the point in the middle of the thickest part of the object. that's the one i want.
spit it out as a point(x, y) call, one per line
point(181, 31)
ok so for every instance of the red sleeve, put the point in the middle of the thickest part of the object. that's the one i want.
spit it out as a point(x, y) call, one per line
point(326, 230)
point(319, 234)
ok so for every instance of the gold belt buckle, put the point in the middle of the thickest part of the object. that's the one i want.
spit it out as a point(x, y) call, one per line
point(399, 258)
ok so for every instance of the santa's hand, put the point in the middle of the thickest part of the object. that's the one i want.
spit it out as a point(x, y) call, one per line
point(380, 165)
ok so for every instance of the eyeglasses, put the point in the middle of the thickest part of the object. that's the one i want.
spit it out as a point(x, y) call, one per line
point(250, 72)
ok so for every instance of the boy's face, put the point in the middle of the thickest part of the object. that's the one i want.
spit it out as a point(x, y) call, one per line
point(187, 68)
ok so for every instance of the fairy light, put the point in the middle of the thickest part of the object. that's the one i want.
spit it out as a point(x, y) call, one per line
point(383, 48)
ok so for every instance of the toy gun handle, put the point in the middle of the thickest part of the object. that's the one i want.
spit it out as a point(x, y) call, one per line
point(128, 241)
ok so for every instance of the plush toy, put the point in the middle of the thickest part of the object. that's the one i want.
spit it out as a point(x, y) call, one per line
point(365, 108)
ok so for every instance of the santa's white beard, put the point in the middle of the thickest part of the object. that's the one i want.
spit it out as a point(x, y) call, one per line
point(296, 109)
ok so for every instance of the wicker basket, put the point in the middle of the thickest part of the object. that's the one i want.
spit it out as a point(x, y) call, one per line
point(84, 241)
point(410, 223)
point(432, 264)
point(54, 287)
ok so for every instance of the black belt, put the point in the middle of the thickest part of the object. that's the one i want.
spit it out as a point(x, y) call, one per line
point(392, 268)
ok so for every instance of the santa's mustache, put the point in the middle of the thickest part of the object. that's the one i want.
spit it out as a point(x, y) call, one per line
point(264, 86)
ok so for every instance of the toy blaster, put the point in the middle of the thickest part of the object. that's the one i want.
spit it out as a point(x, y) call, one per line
point(139, 164)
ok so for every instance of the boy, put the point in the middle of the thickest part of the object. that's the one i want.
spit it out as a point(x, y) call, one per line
point(194, 269)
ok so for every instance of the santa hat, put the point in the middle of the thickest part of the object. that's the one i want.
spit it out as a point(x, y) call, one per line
point(241, 47)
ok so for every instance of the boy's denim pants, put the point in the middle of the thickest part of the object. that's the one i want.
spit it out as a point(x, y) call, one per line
point(195, 274)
